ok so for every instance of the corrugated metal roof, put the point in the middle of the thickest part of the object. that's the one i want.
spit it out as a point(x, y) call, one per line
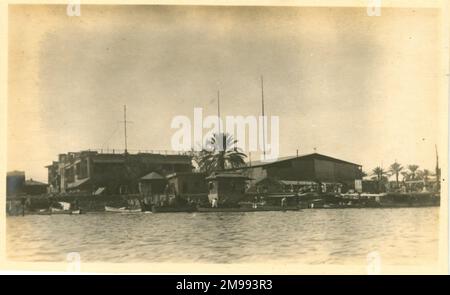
point(282, 159)
point(188, 173)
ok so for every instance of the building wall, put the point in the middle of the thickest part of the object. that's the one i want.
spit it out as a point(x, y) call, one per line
point(194, 183)
point(296, 169)
point(148, 188)
point(255, 174)
point(35, 189)
point(230, 189)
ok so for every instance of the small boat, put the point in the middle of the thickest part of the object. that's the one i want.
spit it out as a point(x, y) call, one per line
point(56, 211)
point(122, 210)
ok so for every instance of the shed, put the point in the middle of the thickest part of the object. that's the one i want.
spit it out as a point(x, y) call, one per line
point(226, 187)
point(152, 183)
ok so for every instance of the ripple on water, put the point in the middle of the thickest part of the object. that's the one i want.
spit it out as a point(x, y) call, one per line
point(405, 236)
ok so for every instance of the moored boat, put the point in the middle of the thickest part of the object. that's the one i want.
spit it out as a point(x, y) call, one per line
point(122, 210)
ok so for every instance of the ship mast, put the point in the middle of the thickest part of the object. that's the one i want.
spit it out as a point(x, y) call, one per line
point(125, 127)
point(263, 119)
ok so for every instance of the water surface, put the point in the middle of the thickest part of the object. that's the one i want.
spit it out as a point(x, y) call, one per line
point(316, 236)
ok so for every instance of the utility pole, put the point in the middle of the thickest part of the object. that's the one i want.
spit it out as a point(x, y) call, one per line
point(263, 119)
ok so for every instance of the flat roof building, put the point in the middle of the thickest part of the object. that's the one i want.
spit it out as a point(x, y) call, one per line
point(87, 171)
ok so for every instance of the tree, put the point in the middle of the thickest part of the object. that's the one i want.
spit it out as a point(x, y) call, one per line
point(395, 169)
point(363, 174)
point(413, 169)
point(405, 175)
point(219, 153)
point(380, 176)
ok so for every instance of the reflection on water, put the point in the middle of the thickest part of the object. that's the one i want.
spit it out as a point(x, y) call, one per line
point(331, 236)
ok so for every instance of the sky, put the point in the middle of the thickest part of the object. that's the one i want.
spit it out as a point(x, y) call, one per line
point(357, 87)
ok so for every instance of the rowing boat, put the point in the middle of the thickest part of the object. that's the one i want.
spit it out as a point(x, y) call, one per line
point(121, 210)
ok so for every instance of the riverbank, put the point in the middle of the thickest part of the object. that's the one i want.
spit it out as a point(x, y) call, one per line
point(42, 204)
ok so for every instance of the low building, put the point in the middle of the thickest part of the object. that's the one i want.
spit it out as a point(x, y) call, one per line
point(152, 183)
point(226, 187)
point(153, 188)
point(87, 171)
point(33, 187)
point(317, 168)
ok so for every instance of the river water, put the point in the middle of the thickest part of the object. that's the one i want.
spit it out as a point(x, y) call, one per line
point(404, 236)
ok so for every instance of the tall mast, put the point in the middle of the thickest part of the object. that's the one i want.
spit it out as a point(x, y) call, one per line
point(263, 119)
point(437, 157)
point(218, 110)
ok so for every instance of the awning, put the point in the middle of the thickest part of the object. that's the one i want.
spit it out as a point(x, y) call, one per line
point(280, 196)
point(77, 183)
point(153, 176)
point(99, 191)
point(108, 161)
point(295, 182)
point(215, 176)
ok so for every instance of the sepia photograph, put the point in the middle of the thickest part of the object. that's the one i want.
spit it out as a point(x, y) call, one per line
point(252, 137)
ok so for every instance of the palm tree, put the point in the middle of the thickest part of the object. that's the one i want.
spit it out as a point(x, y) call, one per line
point(363, 174)
point(405, 175)
point(219, 153)
point(379, 174)
point(395, 169)
point(413, 169)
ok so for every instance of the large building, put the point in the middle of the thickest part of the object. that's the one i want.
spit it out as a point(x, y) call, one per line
point(89, 171)
point(17, 185)
point(309, 168)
